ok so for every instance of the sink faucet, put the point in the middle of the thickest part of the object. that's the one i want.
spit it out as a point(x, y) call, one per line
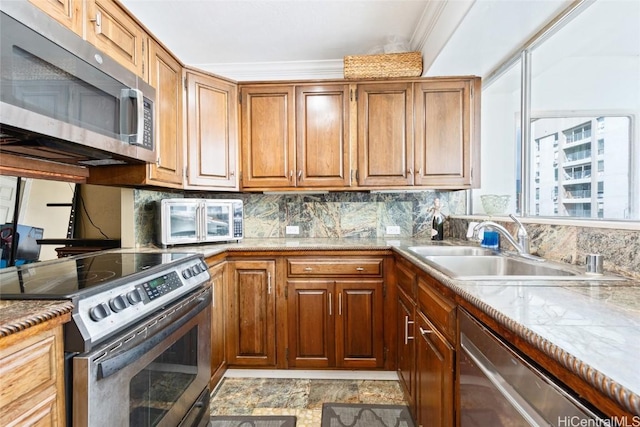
point(522, 245)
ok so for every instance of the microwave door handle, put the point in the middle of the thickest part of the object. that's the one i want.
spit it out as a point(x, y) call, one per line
point(203, 222)
point(137, 95)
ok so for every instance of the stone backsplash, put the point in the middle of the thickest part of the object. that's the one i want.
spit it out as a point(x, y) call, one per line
point(571, 244)
point(331, 215)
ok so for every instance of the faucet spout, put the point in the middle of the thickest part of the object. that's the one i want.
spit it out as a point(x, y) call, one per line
point(500, 229)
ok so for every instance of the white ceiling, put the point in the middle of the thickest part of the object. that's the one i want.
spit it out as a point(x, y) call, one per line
point(298, 39)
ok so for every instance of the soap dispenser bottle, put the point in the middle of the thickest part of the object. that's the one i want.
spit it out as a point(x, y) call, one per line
point(437, 222)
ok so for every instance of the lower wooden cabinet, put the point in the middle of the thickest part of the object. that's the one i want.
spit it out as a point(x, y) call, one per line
point(218, 353)
point(434, 376)
point(250, 305)
point(425, 330)
point(32, 377)
point(335, 323)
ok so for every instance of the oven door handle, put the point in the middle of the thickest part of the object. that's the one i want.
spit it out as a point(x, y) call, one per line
point(110, 366)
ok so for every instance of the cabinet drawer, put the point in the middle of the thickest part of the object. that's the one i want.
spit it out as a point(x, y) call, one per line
point(335, 267)
point(440, 310)
point(406, 280)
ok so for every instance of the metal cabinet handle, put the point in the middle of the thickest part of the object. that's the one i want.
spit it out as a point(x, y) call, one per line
point(407, 322)
point(330, 305)
point(425, 331)
point(308, 269)
point(300, 175)
point(290, 174)
point(410, 171)
point(269, 283)
point(98, 21)
point(360, 268)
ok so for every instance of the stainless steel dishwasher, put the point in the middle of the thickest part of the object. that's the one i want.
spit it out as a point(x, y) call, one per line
point(498, 387)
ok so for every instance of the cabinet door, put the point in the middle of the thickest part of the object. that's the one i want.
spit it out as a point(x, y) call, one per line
point(165, 76)
point(359, 324)
point(113, 31)
point(250, 305)
point(268, 147)
point(218, 358)
point(67, 12)
point(322, 136)
point(212, 137)
point(406, 345)
point(385, 134)
point(311, 325)
point(435, 377)
point(446, 133)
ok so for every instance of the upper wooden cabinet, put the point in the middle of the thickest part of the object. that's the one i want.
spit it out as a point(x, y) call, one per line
point(399, 133)
point(385, 134)
point(67, 12)
point(295, 142)
point(212, 133)
point(447, 133)
point(112, 30)
point(323, 157)
point(268, 144)
point(165, 74)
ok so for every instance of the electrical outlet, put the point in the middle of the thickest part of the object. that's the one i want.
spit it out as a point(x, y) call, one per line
point(393, 229)
point(292, 229)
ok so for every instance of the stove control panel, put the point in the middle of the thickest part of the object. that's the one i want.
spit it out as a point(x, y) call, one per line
point(107, 312)
point(162, 285)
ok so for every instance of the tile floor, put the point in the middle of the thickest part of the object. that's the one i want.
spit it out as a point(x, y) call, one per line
point(302, 397)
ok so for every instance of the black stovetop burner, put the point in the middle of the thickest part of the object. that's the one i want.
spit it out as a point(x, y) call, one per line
point(73, 276)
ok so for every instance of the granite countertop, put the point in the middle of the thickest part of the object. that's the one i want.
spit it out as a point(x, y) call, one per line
point(18, 315)
point(590, 327)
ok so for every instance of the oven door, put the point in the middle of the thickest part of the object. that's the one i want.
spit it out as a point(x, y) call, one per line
point(159, 370)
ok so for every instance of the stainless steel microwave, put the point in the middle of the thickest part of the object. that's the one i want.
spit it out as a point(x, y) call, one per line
point(191, 221)
point(63, 100)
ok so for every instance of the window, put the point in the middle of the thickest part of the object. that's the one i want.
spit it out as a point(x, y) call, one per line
point(583, 81)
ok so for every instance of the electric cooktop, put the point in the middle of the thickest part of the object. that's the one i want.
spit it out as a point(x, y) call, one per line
point(69, 277)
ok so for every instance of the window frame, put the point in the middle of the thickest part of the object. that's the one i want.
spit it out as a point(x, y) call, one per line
point(525, 143)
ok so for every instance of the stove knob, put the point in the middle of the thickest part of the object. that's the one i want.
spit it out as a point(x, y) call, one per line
point(118, 303)
point(99, 312)
point(196, 270)
point(187, 273)
point(134, 297)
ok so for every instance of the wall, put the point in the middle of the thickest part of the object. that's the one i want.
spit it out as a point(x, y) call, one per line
point(571, 244)
point(332, 215)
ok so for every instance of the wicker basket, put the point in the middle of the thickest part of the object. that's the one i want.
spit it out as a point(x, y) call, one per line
point(406, 64)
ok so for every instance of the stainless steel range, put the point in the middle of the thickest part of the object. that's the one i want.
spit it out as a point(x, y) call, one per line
point(139, 335)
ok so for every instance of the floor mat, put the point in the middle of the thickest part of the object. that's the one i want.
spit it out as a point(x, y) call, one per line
point(363, 415)
point(252, 421)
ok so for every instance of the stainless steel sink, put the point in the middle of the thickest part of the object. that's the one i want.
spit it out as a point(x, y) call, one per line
point(497, 267)
point(450, 250)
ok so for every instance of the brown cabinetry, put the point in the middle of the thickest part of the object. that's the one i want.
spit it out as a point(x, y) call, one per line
point(426, 339)
point(401, 134)
point(385, 134)
point(218, 318)
point(406, 331)
point(447, 133)
point(295, 136)
point(112, 30)
point(67, 12)
point(212, 133)
point(434, 376)
point(335, 313)
point(268, 142)
point(251, 320)
point(32, 376)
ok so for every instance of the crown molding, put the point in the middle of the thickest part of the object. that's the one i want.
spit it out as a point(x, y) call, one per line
point(284, 70)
